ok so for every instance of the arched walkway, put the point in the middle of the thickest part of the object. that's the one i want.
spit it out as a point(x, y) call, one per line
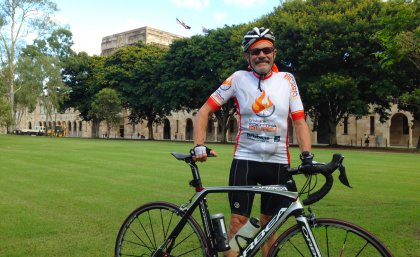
point(189, 130)
point(166, 129)
point(399, 130)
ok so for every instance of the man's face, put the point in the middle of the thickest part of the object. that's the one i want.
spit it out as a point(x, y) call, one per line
point(261, 62)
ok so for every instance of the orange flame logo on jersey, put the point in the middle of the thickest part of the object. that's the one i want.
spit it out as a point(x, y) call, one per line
point(259, 105)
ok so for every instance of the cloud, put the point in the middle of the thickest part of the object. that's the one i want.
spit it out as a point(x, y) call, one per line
point(245, 3)
point(193, 4)
point(220, 16)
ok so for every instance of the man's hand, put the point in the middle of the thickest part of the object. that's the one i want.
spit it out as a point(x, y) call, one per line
point(307, 158)
point(200, 153)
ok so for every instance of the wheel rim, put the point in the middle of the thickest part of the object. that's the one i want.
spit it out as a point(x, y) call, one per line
point(335, 239)
point(145, 230)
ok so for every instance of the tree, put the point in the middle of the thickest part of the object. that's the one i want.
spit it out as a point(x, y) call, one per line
point(39, 74)
point(134, 72)
point(106, 106)
point(5, 115)
point(329, 46)
point(195, 67)
point(84, 75)
point(18, 20)
point(400, 37)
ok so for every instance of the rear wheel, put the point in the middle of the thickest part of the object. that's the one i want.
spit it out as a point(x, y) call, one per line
point(147, 227)
point(334, 237)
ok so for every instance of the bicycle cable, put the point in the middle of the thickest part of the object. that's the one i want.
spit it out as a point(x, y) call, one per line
point(307, 188)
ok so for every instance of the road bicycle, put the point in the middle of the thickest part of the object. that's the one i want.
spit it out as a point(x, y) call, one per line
point(163, 229)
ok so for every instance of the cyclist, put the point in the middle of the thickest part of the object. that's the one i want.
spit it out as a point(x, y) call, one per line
point(265, 98)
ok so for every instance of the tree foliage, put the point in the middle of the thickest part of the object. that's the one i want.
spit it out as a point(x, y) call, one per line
point(134, 72)
point(107, 106)
point(400, 37)
point(198, 66)
point(38, 72)
point(329, 46)
point(18, 20)
point(84, 75)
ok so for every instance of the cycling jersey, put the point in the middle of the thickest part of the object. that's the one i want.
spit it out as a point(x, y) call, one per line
point(263, 113)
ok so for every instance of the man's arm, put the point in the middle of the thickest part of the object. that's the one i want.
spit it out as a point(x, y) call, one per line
point(200, 127)
point(303, 135)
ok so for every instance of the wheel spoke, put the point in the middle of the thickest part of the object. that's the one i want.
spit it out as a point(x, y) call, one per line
point(147, 228)
point(334, 238)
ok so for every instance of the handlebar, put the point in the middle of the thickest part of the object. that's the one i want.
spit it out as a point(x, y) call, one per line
point(318, 168)
point(326, 170)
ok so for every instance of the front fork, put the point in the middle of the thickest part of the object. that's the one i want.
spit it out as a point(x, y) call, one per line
point(305, 228)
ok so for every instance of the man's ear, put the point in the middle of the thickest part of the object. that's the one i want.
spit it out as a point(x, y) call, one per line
point(246, 56)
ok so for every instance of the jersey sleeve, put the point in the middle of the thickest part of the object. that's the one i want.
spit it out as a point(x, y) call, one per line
point(222, 94)
point(295, 102)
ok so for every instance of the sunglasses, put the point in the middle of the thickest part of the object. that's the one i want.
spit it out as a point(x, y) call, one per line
point(257, 51)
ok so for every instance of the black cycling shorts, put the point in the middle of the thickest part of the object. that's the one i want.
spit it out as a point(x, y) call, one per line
point(249, 173)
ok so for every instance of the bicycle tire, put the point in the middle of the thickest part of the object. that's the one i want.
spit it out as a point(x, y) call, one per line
point(334, 238)
point(150, 224)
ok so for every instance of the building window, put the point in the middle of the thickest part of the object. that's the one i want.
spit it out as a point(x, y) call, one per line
point(346, 125)
point(372, 125)
point(405, 126)
point(177, 126)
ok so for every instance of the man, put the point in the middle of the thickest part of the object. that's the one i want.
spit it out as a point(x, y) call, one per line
point(265, 98)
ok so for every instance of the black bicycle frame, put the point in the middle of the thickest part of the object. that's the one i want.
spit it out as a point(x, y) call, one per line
point(199, 199)
point(295, 208)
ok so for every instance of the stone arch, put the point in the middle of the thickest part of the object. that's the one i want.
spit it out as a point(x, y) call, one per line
point(189, 129)
point(166, 129)
point(399, 130)
point(69, 128)
point(30, 125)
point(75, 128)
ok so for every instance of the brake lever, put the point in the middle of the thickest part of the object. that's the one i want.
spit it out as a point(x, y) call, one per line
point(343, 177)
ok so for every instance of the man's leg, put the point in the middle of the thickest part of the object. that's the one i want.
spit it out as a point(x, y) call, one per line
point(266, 247)
point(236, 222)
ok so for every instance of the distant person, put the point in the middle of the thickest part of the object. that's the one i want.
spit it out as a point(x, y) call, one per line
point(366, 140)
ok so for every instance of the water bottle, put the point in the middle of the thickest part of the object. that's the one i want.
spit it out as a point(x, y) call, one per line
point(245, 234)
point(220, 234)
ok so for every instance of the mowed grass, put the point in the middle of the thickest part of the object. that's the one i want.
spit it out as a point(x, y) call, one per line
point(68, 197)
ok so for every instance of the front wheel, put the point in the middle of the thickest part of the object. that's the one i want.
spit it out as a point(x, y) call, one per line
point(334, 238)
point(147, 227)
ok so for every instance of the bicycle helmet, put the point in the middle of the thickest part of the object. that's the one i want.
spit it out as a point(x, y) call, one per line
point(255, 35)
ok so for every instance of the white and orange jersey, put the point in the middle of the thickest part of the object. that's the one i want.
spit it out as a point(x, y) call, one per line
point(263, 114)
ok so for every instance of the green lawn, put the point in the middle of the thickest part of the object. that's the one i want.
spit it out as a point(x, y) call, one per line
point(68, 197)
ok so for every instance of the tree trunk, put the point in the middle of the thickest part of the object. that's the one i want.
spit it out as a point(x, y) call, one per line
point(95, 128)
point(332, 129)
point(108, 129)
point(223, 125)
point(150, 128)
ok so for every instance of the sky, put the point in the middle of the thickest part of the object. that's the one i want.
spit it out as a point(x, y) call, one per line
point(91, 20)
